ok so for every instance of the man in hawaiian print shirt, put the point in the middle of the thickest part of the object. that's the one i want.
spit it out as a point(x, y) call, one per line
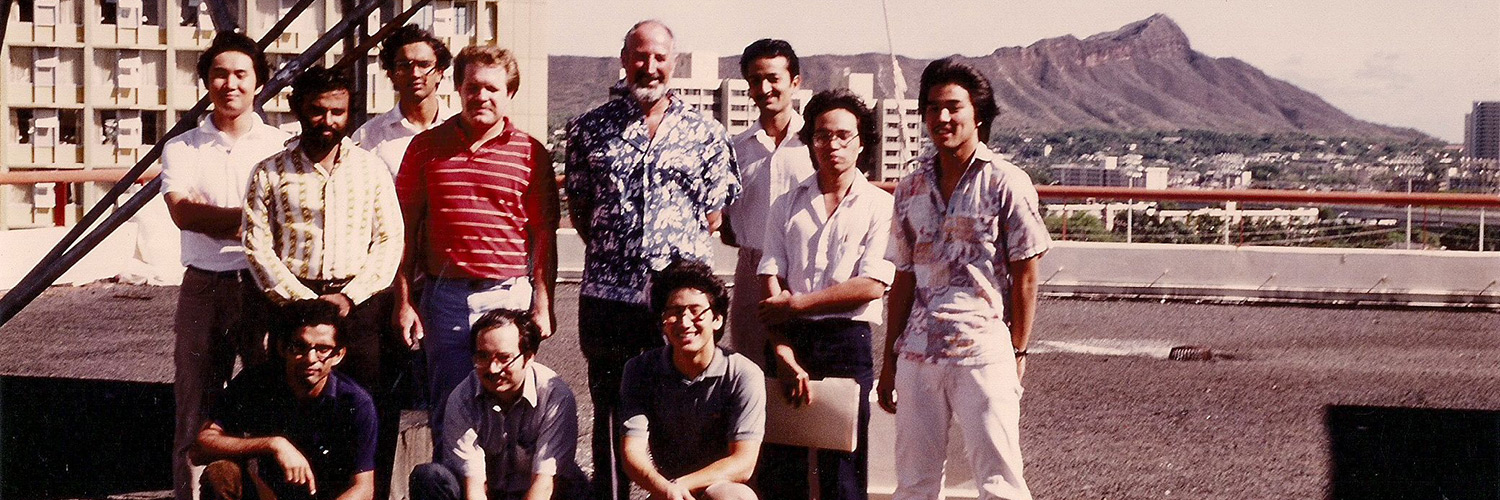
point(647, 177)
point(966, 239)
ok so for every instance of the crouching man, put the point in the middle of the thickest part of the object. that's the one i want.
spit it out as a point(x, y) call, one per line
point(292, 428)
point(694, 415)
point(510, 428)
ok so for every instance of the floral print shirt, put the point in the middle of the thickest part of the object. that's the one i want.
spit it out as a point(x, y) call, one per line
point(958, 251)
point(650, 197)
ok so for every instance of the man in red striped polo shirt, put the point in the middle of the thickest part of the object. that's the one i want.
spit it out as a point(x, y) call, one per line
point(481, 208)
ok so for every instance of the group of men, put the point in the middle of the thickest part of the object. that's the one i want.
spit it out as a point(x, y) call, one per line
point(323, 261)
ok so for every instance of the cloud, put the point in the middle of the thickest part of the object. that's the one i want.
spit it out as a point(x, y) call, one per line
point(1382, 70)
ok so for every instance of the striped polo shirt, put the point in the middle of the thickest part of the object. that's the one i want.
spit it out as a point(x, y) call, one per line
point(475, 205)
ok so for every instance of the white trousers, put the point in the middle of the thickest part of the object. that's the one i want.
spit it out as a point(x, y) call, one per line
point(985, 401)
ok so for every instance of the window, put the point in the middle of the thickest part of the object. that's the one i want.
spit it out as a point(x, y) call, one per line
point(741, 93)
point(890, 111)
point(26, 11)
point(151, 127)
point(444, 21)
point(129, 131)
point(463, 19)
point(109, 127)
point(25, 126)
point(892, 139)
point(128, 13)
point(69, 120)
point(738, 107)
point(109, 12)
point(891, 152)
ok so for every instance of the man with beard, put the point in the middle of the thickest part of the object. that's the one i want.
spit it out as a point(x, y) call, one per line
point(322, 222)
point(647, 180)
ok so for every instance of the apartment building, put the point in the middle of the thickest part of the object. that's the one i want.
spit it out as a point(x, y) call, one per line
point(94, 84)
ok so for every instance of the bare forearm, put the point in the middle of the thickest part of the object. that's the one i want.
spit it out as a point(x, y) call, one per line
point(899, 304)
point(843, 297)
point(362, 489)
point(475, 489)
point(541, 487)
point(735, 468)
point(1023, 292)
point(640, 469)
point(191, 215)
point(212, 444)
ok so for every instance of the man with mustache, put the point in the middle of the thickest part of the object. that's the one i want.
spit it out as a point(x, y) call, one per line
point(480, 203)
point(647, 179)
point(310, 429)
point(322, 223)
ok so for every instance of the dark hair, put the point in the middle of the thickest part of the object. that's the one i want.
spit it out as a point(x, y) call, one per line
point(488, 55)
point(407, 35)
point(845, 99)
point(531, 334)
point(693, 274)
point(289, 318)
point(316, 81)
point(769, 48)
point(950, 70)
point(228, 41)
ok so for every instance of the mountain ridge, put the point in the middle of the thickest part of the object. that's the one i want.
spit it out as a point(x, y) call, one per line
point(1144, 76)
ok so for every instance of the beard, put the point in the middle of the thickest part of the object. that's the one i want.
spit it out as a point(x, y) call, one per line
point(647, 92)
point(321, 136)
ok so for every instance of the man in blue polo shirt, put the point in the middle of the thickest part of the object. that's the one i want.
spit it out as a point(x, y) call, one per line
point(310, 430)
point(694, 415)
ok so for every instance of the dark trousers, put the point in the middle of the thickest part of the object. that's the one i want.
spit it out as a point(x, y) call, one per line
point(434, 481)
point(260, 479)
point(610, 333)
point(825, 348)
point(376, 357)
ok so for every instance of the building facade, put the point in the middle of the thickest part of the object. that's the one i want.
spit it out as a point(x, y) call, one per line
point(95, 84)
point(1482, 131)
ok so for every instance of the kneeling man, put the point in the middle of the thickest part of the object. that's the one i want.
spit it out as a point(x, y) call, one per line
point(694, 415)
point(292, 428)
point(510, 428)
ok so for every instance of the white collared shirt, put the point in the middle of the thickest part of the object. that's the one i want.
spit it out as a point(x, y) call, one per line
point(209, 165)
point(813, 249)
point(767, 172)
point(388, 134)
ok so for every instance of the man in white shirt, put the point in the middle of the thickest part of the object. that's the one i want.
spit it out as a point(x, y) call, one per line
point(220, 311)
point(824, 272)
point(415, 61)
point(772, 161)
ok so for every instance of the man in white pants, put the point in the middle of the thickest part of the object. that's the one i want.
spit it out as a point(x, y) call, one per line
point(966, 239)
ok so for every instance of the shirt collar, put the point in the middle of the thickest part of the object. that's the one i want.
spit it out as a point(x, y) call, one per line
point(210, 133)
point(633, 107)
point(793, 133)
point(463, 133)
point(529, 385)
point(395, 119)
point(716, 368)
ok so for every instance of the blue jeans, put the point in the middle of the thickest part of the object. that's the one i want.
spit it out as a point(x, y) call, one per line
point(825, 348)
point(448, 308)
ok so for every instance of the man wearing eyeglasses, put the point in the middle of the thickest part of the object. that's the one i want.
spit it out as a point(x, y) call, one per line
point(480, 203)
point(694, 414)
point(293, 429)
point(415, 61)
point(513, 422)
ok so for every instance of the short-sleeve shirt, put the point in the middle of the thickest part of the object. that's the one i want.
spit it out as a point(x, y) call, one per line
point(959, 251)
point(335, 431)
point(767, 172)
point(650, 197)
point(694, 420)
point(475, 205)
point(813, 250)
point(208, 164)
point(537, 435)
point(389, 133)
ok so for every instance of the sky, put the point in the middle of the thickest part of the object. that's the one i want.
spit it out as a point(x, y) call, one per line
point(1408, 63)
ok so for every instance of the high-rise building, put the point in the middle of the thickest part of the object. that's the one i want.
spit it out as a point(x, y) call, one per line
point(1482, 131)
point(94, 84)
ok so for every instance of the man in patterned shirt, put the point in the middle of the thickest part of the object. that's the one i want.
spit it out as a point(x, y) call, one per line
point(647, 179)
point(321, 222)
point(966, 239)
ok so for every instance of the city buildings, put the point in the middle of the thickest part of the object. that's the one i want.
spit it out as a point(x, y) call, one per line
point(1482, 131)
point(92, 85)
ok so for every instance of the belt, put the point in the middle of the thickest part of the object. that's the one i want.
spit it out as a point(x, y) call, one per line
point(326, 287)
point(236, 274)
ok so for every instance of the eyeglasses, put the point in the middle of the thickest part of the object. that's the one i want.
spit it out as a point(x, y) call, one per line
point(298, 348)
point(482, 359)
point(674, 315)
point(416, 68)
point(838, 140)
